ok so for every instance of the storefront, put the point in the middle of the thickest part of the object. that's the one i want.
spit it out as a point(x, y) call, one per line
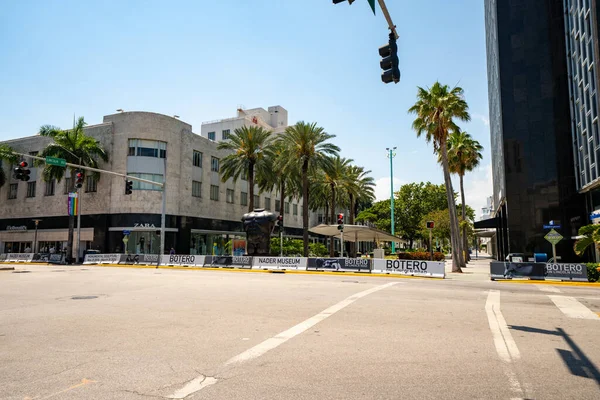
point(207, 242)
point(20, 239)
point(140, 239)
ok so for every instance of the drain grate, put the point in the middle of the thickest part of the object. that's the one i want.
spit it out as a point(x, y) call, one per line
point(21, 272)
point(83, 297)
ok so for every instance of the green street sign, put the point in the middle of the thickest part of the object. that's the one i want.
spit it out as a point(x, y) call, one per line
point(59, 162)
point(372, 4)
point(553, 237)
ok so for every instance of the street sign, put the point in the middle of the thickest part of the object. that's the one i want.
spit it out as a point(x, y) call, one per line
point(552, 226)
point(59, 162)
point(372, 4)
point(553, 237)
point(126, 232)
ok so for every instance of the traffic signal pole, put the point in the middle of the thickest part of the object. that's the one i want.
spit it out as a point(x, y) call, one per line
point(386, 14)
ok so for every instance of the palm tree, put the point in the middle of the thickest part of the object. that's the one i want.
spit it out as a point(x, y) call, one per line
point(77, 148)
point(435, 109)
point(252, 150)
point(588, 235)
point(464, 154)
point(309, 150)
point(360, 189)
point(6, 154)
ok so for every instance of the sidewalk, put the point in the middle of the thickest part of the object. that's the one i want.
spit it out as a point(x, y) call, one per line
point(478, 269)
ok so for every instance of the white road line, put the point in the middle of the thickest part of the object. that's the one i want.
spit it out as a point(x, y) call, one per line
point(573, 308)
point(277, 340)
point(545, 288)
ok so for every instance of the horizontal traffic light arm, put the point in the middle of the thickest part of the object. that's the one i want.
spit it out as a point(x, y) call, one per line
point(102, 171)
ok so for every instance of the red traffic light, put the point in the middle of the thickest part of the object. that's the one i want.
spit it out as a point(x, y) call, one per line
point(23, 164)
point(340, 219)
point(280, 218)
point(79, 175)
point(430, 224)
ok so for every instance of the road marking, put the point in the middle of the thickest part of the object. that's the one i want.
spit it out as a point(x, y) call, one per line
point(82, 383)
point(551, 289)
point(573, 308)
point(505, 345)
point(277, 340)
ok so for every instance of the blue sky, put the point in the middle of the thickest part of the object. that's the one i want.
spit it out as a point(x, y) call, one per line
point(201, 59)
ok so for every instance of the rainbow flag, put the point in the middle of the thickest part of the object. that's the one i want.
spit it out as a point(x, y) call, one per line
point(72, 206)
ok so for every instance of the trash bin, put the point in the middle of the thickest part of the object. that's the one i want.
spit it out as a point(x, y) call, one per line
point(540, 257)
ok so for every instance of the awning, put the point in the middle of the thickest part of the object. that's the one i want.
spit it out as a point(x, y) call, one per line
point(489, 223)
point(356, 233)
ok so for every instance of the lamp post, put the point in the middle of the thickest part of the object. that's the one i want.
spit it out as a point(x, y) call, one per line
point(37, 221)
point(391, 155)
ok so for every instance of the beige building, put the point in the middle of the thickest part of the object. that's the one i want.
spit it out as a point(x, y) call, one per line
point(203, 213)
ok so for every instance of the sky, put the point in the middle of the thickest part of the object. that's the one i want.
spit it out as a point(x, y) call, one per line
point(203, 59)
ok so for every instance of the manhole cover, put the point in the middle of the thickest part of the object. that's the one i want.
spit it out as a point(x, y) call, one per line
point(83, 297)
point(21, 272)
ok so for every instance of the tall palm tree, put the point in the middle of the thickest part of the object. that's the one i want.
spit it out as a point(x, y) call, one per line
point(252, 150)
point(6, 154)
point(360, 188)
point(464, 154)
point(309, 148)
point(77, 148)
point(435, 109)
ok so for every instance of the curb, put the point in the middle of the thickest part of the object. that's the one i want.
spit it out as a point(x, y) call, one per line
point(560, 283)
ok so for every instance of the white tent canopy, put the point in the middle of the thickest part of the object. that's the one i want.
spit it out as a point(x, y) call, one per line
point(355, 233)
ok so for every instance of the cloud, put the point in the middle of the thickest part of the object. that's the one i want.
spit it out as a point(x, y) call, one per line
point(478, 187)
point(382, 188)
point(483, 118)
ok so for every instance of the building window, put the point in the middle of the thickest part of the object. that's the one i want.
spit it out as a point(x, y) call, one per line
point(214, 164)
point(196, 189)
point(50, 186)
point(244, 175)
point(229, 196)
point(214, 192)
point(91, 184)
point(147, 148)
point(320, 218)
point(31, 189)
point(244, 199)
point(12, 191)
point(67, 185)
point(267, 203)
point(277, 205)
point(137, 185)
point(211, 136)
point(226, 134)
point(197, 159)
point(256, 201)
point(287, 207)
point(295, 209)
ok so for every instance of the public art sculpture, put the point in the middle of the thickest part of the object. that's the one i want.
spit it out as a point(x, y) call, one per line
point(258, 225)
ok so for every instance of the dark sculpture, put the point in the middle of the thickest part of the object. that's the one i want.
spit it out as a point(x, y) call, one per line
point(258, 225)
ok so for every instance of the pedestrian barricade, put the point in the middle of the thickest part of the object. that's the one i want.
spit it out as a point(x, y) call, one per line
point(178, 260)
point(432, 269)
point(102, 258)
point(279, 263)
point(538, 271)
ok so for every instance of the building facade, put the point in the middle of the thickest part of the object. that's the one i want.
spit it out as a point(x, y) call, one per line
point(530, 127)
point(203, 214)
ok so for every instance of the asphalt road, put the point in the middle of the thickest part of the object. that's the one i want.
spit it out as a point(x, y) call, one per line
point(226, 335)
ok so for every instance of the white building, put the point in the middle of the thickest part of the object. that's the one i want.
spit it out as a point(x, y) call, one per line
point(203, 213)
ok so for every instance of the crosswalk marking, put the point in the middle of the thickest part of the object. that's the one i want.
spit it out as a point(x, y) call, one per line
point(573, 308)
point(546, 288)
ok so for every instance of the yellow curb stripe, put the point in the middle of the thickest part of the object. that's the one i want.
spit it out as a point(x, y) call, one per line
point(535, 282)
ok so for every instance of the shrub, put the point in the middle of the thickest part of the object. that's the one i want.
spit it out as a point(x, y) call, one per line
point(421, 255)
point(593, 272)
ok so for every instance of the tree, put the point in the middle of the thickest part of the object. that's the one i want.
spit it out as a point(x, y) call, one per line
point(435, 110)
point(252, 150)
point(309, 148)
point(360, 188)
point(464, 154)
point(6, 154)
point(589, 234)
point(412, 202)
point(77, 148)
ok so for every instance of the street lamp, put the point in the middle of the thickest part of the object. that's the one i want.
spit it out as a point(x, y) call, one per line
point(37, 221)
point(391, 155)
point(119, 110)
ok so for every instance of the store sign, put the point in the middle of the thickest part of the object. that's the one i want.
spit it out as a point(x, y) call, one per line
point(279, 263)
point(177, 260)
point(434, 269)
point(139, 225)
point(339, 264)
point(21, 228)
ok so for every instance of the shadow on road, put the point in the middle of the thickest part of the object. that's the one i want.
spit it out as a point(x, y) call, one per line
point(575, 360)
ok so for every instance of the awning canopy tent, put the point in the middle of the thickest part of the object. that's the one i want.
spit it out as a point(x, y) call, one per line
point(355, 233)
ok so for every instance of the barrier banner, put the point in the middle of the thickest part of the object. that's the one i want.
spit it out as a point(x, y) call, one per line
point(339, 264)
point(507, 270)
point(228, 261)
point(572, 272)
point(19, 257)
point(56, 258)
point(3, 257)
point(434, 269)
point(102, 258)
point(144, 259)
point(41, 257)
point(279, 263)
point(182, 260)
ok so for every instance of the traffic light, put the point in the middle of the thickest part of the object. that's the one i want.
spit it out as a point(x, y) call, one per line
point(78, 179)
point(340, 221)
point(280, 221)
point(430, 224)
point(389, 61)
point(22, 172)
point(128, 187)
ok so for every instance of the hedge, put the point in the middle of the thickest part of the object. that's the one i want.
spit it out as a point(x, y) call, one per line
point(593, 272)
point(421, 255)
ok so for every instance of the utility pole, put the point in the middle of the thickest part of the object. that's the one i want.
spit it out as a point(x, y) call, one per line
point(163, 211)
point(37, 221)
point(391, 155)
